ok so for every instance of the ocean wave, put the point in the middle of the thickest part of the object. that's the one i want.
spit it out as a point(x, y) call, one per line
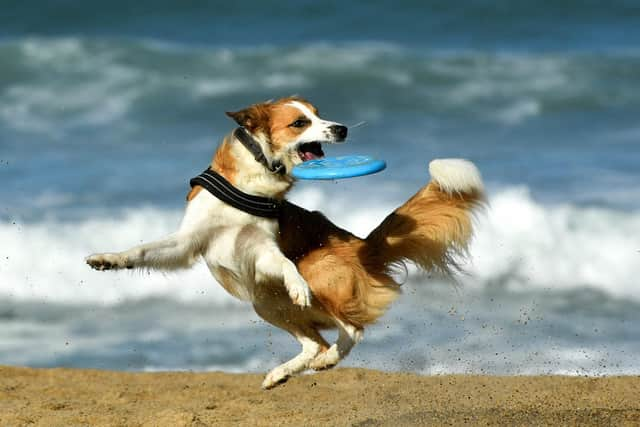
point(521, 245)
point(52, 85)
point(44, 261)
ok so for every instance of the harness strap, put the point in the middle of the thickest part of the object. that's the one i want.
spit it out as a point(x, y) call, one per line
point(254, 148)
point(217, 185)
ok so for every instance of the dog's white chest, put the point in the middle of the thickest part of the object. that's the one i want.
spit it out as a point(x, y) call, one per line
point(235, 242)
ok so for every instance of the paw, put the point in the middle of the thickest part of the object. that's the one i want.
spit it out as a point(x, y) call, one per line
point(298, 289)
point(299, 293)
point(326, 360)
point(107, 262)
point(275, 377)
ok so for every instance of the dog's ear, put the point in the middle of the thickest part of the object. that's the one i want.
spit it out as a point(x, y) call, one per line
point(240, 117)
point(252, 118)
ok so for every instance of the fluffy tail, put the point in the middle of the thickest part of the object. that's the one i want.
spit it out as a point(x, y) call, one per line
point(434, 227)
point(432, 230)
point(351, 277)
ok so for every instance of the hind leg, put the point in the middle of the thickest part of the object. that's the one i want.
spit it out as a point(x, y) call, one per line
point(274, 306)
point(348, 337)
point(312, 343)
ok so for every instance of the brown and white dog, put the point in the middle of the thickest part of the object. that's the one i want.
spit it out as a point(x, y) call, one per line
point(301, 272)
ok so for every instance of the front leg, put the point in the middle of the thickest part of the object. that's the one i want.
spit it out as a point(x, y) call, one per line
point(176, 251)
point(297, 287)
point(270, 263)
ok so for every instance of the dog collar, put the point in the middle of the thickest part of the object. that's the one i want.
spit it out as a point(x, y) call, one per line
point(252, 145)
point(217, 185)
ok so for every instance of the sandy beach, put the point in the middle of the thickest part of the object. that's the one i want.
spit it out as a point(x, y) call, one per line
point(66, 397)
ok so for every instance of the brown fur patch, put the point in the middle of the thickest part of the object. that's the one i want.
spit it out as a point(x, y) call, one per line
point(346, 286)
point(224, 161)
point(193, 193)
point(281, 131)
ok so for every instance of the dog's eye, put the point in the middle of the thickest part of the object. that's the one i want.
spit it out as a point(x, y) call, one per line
point(300, 123)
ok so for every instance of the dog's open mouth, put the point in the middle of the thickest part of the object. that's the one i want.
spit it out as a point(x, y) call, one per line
point(310, 151)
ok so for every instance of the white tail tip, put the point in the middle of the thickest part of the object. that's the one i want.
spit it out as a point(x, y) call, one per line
point(456, 175)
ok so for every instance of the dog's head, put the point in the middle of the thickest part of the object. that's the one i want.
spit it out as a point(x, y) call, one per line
point(289, 130)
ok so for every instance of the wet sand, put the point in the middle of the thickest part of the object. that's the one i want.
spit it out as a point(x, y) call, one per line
point(73, 397)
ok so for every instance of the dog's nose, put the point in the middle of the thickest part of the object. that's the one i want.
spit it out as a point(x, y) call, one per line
point(339, 131)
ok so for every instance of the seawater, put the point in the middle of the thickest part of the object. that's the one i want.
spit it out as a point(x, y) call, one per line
point(102, 123)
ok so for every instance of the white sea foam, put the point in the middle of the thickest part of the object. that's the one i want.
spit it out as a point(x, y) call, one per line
point(520, 244)
point(45, 261)
point(518, 112)
point(524, 244)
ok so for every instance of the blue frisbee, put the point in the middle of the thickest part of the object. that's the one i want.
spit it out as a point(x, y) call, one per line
point(338, 167)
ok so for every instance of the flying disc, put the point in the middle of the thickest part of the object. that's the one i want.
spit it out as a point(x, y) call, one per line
point(338, 167)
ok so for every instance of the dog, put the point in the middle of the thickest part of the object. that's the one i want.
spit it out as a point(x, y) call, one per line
point(301, 272)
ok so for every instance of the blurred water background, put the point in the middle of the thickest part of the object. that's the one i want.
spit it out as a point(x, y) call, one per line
point(108, 108)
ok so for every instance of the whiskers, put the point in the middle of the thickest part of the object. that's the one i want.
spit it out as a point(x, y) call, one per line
point(357, 125)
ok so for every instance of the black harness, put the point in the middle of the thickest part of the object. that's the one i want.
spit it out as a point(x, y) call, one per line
point(217, 185)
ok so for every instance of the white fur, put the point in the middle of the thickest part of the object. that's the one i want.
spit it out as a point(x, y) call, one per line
point(456, 175)
point(319, 130)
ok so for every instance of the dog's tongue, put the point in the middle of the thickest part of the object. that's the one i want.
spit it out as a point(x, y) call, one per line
point(308, 155)
point(311, 151)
